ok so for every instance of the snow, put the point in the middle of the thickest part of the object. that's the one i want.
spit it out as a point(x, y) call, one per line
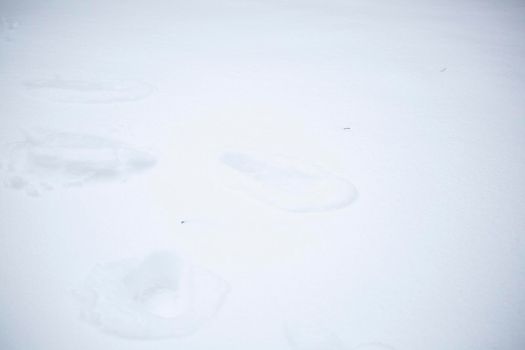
point(47, 159)
point(287, 184)
point(307, 336)
point(331, 174)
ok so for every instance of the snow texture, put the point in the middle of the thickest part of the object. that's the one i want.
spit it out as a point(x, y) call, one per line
point(308, 335)
point(373, 346)
point(356, 162)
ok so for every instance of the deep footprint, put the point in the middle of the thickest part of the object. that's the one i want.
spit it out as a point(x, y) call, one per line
point(80, 91)
point(159, 297)
point(49, 159)
point(286, 183)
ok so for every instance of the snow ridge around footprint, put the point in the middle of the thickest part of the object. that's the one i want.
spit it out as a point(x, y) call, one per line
point(48, 159)
point(286, 183)
point(87, 91)
point(161, 296)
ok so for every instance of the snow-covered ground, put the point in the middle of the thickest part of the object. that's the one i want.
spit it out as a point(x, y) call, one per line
point(262, 174)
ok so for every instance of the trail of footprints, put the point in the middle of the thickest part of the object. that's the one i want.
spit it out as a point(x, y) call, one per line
point(160, 295)
point(307, 335)
point(47, 159)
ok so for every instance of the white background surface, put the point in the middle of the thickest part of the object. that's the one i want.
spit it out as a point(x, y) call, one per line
point(431, 254)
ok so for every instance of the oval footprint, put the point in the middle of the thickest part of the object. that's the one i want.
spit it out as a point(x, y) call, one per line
point(47, 159)
point(311, 336)
point(159, 297)
point(286, 183)
point(87, 91)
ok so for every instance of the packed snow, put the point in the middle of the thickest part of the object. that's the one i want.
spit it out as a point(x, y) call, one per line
point(286, 183)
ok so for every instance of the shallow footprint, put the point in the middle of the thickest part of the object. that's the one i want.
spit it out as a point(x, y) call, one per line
point(47, 159)
point(286, 183)
point(308, 335)
point(159, 297)
point(87, 91)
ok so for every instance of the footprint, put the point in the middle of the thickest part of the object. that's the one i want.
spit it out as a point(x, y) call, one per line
point(85, 91)
point(7, 27)
point(159, 297)
point(48, 159)
point(286, 183)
